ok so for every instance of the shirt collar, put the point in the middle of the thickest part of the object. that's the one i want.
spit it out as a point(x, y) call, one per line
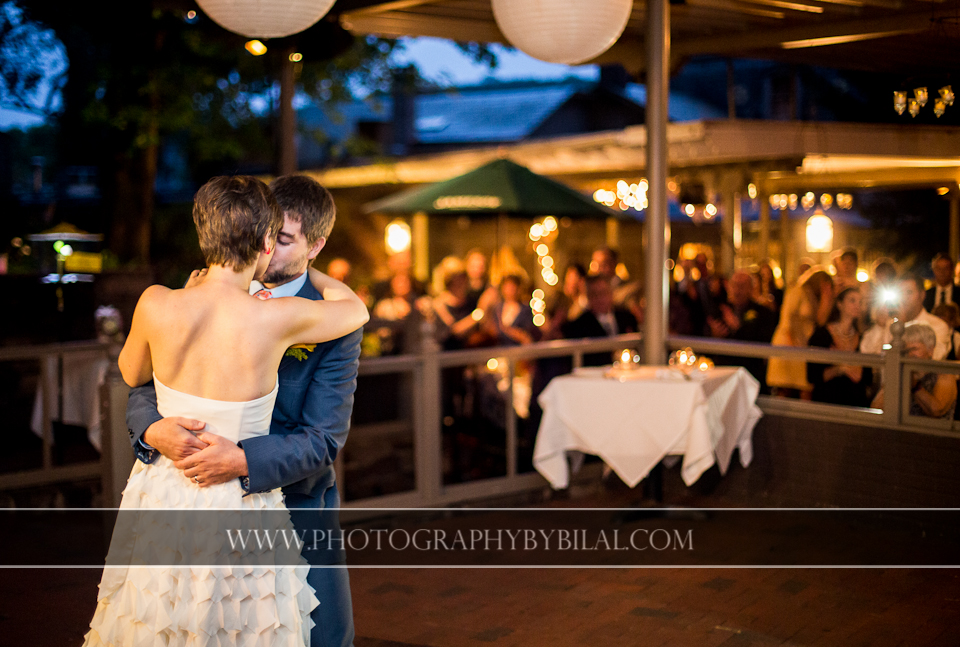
point(289, 289)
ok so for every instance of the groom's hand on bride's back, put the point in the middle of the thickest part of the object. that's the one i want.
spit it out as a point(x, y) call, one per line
point(175, 437)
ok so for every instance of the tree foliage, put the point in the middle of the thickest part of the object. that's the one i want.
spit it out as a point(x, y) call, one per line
point(33, 63)
point(142, 72)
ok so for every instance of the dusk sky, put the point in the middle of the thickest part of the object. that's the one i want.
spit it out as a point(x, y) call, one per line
point(438, 60)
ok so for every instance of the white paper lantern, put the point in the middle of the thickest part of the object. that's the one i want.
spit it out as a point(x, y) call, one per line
point(562, 31)
point(265, 18)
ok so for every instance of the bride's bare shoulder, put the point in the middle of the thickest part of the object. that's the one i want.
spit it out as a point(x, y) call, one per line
point(152, 301)
point(154, 295)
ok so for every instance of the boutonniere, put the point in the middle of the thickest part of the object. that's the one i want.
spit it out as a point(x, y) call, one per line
point(300, 351)
point(750, 315)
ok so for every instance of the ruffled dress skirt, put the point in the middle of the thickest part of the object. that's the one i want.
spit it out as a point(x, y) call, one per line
point(178, 590)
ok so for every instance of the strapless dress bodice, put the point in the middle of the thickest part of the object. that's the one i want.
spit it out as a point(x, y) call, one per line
point(236, 421)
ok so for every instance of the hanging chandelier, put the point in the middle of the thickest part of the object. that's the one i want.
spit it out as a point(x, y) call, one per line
point(920, 98)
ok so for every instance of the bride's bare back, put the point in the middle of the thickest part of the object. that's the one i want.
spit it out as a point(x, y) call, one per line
point(217, 342)
point(211, 342)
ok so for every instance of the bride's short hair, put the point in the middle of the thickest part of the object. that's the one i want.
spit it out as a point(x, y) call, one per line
point(233, 215)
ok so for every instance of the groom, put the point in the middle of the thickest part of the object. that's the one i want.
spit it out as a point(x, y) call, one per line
point(311, 418)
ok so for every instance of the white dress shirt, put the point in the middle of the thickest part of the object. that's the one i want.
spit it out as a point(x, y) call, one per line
point(288, 289)
point(609, 323)
point(943, 295)
point(875, 338)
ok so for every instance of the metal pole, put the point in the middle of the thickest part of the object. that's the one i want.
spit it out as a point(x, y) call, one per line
point(786, 252)
point(421, 247)
point(727, 226)
point(613, 233)
point(954, 226)
point(658, 225)
point(287, 163)
point(764, 225)
point(893, 378)
point(427, 441)
point(731, 91)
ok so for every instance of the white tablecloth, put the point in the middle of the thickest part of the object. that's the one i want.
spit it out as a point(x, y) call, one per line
point(83, 373)
point(632, 424)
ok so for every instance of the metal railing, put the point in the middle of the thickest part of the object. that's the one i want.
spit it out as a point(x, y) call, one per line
point(426, 369)
point(892, 366)
point(424, 372)
point(51, 361)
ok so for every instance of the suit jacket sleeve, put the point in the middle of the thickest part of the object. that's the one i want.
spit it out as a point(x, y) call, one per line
point(276, 460)
point(141, 413)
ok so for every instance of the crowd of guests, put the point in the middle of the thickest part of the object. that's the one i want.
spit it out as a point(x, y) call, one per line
point(829, 308)
point(826, 307)
point(470, 306)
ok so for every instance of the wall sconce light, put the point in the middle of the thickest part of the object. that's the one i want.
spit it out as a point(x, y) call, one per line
point(397, 237)
point(819, 233)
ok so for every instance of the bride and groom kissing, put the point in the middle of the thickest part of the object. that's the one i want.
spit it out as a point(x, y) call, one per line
point(240, 403)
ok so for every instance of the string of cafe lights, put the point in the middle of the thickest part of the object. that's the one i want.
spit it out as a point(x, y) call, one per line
point(782, 201)
point(541, 235)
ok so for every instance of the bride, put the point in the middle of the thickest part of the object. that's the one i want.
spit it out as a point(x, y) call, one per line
point(213, 353)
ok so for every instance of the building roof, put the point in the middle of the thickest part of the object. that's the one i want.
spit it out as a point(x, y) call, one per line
point(485, 113)
point(491, 112)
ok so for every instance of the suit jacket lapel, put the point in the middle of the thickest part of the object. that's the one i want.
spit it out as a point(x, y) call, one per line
point(308, 291)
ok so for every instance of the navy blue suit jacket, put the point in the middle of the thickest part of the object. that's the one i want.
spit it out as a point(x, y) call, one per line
point(311, 420)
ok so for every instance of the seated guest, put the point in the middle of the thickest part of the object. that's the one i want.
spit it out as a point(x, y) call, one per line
point(909, 309)
point(603, 262)
point(568, 303)
point(883, 283)
point(768, 293)
point(481, 294)
point(846, 266)
point(458, 321)
point(391, 316)
point(743, 319)
point(398, 302)
point(399, 263)
point(600, 319)
point(933, 394)
point(950, 313)
point(512, 320)
point(943, 289)
point(840, 384)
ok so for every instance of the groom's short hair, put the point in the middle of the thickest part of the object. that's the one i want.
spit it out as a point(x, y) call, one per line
point(306, 201)
point(233, 215)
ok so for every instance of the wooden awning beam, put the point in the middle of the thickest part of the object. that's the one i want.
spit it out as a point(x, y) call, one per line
point(739, 43)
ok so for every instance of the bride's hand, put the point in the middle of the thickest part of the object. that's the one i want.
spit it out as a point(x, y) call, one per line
point(196, 278)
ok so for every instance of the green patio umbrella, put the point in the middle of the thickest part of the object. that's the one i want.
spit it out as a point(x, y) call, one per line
point(499, 187)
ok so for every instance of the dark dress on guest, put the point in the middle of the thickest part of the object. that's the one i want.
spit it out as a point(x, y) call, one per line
point(839, 390)
point(587, 325)
point(757, 324)
point(523, 320)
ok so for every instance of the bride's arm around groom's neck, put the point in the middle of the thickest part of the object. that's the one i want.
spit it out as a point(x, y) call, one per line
point(305, 321)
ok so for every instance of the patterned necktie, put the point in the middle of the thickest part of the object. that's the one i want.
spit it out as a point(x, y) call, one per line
point(263, 294)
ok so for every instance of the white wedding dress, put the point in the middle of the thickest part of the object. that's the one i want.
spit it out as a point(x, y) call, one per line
point(186, 602)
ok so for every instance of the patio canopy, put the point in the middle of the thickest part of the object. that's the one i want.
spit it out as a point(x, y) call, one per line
point(498, 187)
point(907, 37)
